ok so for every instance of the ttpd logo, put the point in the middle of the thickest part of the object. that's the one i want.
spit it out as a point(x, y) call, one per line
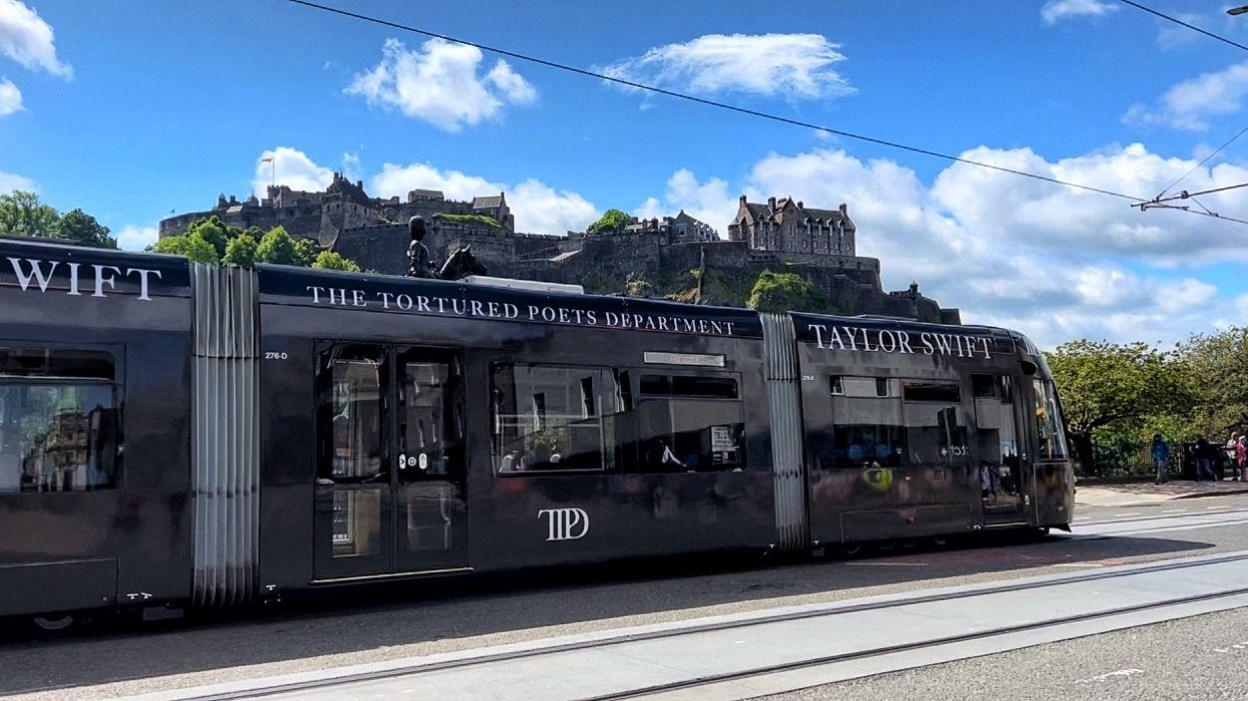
point(565, 524)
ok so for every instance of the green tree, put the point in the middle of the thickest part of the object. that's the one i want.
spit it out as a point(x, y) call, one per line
point(241, 251)
point(212, 230)
point(783, 292)
point(305, 252)
point(612, 221)
point(1108, 388)
point(200, 250)
point(195, 248)
point(1218, 368)
point(77, 225)
point(331, 260)
point(276, 247)
point(22, 214)
point(171, 245)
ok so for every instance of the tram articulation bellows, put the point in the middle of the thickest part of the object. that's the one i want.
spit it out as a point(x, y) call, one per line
point(226, 435)
point(784, 397)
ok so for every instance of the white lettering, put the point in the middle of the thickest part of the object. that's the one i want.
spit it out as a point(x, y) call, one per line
point(73, 280)
point(563, 524)
point(36, 271)
point(143, 273)
point(101, 279)
point(904, 339)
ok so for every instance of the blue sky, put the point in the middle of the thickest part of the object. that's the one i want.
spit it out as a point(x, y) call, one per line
point(131, 109)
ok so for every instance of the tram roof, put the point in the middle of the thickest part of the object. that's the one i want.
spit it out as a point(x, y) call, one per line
point(394, 294)
point(288, 285)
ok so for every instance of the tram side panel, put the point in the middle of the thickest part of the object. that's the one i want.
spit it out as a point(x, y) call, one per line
point(1054, 471)
point(501, 443)
point(94, 429)
point(894, 441)
point(685, 465)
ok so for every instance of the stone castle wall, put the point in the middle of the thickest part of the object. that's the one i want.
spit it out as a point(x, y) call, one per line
point(650, 262)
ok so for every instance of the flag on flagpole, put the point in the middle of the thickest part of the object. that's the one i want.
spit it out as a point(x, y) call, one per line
point(266, 159)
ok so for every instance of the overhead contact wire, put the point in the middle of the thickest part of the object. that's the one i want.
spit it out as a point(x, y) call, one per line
point(715, 103)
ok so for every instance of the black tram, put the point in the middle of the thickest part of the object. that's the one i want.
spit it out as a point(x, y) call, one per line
point(177, 434)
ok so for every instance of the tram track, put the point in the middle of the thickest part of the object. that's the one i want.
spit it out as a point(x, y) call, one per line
point(1242, 513)
point(416, 670)
point(908, 647)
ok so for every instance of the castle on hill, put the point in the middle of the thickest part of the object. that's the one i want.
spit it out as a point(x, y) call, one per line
point(677, 257)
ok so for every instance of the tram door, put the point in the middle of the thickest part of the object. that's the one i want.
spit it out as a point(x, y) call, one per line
point(1003, 483)
point(391, 461)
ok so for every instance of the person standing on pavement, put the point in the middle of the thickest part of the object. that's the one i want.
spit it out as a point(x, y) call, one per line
point(1241, 457)
point(1204, 460)
point(1231, 448)
point(1161, 454)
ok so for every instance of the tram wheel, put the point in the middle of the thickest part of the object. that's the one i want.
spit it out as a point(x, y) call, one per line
point(940, 541)
point(54, 623)
point(851, 549)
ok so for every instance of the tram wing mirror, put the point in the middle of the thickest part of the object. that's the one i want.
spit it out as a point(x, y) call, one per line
point(1029, 368)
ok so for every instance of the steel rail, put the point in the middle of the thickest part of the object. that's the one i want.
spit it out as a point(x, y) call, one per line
point(906, 647)
point(1159, 517)
point(425, 668)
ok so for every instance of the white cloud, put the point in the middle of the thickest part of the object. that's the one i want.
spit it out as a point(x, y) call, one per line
point(352, 166)
point(707, 201)
point(1055, 11)
point(538, 208)
point(11, 181)
point(1052, 262)
point(441, 83)
point(1190, 104)
point(26, 38)
point(397, 180)
point(10, 97)
point(292, 168)
point(1172, 36)
point(762, 64)
point(136, 238)
point(541, 209)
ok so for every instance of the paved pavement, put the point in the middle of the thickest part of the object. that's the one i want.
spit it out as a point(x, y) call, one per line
point(719, 657)
point(379, 625)
point(1204, 657)
point(1148, 493)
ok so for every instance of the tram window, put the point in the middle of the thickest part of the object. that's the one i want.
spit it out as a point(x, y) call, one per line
point(350, 404)
point(996, 433)
point(1048, 421)
point(861, 386)
point(925, 391)
point(656, 385)
point(45, 362)
point(431, 434)
point(691, 435)
point(551, 419)
point(689, 386)
point(867, 425)
point(983, 386)
point(935, 432)
point(690, 423)
point(57, 434)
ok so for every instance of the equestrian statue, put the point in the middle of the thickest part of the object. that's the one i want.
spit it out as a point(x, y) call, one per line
point(458, 265)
